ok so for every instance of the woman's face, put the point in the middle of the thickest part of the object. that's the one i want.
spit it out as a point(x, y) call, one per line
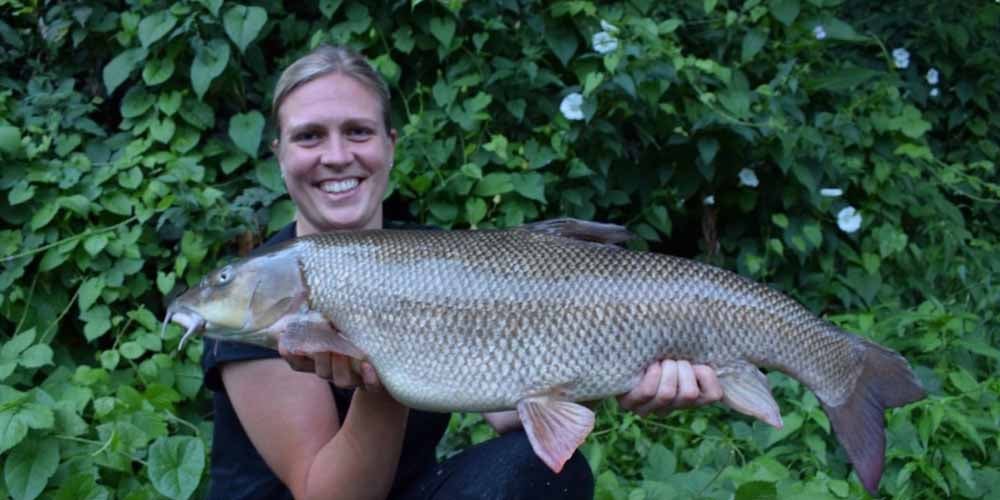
point(335, 154)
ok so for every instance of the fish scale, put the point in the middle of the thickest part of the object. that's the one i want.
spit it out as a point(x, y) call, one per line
point(540, 317)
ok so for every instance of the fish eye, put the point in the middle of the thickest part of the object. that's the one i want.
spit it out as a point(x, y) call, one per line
point(225, 276)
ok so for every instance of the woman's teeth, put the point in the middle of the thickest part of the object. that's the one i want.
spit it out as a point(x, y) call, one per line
point(335, 187)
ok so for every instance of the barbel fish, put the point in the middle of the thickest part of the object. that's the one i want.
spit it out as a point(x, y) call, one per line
point(540, 318)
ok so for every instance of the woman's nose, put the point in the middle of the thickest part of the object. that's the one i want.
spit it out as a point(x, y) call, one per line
point(336, 152)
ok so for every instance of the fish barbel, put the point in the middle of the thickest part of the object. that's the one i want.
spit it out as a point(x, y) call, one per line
point(541, 317)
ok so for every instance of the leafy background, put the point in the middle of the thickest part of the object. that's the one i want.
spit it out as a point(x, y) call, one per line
point(133, 143)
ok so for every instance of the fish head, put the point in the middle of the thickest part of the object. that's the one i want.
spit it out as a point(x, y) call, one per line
point(242, 301)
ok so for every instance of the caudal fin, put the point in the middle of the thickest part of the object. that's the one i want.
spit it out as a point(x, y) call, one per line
point(886, 381)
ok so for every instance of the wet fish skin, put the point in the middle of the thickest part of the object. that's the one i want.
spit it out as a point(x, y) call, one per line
point(533, 318)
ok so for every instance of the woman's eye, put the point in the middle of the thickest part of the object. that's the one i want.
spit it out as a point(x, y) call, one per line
point(357, 133)
point(305, 137)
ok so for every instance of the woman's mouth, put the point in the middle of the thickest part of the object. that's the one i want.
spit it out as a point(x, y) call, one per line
point(341, 186)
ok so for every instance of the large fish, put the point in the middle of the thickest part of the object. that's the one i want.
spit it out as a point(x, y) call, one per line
point(541, 317)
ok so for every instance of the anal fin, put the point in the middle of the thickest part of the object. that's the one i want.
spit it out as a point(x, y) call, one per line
point(746, 390)
point(555, 428)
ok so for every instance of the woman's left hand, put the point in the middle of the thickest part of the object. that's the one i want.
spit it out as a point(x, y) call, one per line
point(669, 385)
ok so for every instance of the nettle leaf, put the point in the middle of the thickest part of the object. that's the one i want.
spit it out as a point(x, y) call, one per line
point(121, 66)
point(29, 467)
point(245, 130)
point(157, 71)
point(209, 61)
point(175, 465)
point(89, 291)
point(443, 29)
point(784, 10)
point(155, 27)
point(243, 24)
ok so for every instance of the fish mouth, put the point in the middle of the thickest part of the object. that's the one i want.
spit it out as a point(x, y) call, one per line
point(187, 318)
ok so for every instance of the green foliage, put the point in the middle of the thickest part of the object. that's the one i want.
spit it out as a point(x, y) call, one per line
point(131, 143)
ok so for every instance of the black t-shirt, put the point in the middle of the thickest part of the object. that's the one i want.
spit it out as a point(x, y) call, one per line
point(239, 472)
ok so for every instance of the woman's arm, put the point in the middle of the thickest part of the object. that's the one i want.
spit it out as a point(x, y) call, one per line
point(292, 420)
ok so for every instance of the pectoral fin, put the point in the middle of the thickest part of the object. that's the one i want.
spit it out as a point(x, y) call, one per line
point(745, 389)
point(555, 428)
point(308, 337)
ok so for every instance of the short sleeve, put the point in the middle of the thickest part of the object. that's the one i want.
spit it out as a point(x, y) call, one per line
point(218, 352)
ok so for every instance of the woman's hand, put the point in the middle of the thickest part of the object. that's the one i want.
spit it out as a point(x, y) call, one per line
point(668, 385)
point(342, 371)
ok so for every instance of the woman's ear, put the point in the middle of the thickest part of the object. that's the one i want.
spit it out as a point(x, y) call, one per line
point(274, 146)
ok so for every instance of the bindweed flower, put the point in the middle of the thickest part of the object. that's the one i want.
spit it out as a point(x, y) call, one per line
point(709, 200)
point(604, 42)
point(932, 76)
point(848, 219)
point(610, 28)
point(819, 32)
point(831, 192)
point(748, 178)
point(572, 106)
point(901, 57)
point(935, 92)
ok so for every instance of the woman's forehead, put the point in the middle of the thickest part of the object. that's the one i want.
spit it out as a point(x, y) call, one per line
point(333, 96)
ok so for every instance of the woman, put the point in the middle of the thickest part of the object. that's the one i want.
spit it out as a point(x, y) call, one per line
point(280, 431)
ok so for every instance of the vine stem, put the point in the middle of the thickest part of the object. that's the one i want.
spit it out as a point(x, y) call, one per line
point(42, 248)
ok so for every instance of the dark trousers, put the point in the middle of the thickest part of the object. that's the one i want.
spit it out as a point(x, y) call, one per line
point(504, 468)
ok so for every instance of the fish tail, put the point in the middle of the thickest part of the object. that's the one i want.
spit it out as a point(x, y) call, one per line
point(885, 381)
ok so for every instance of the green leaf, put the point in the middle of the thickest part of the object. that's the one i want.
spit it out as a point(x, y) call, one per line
point(121, 66)
point(169, 103)
point(131, 349)
point(213, 6)
point(209, 61)
point(562, 40)
point(131, 178)
point(445, 212)
point(165, 282)
point(753, 41)
point(162, 129)
point(784, 11)
point(530, 185)
point(155, 27)
point(175, 465)
point(136, 102)
point(328, 7)
point(842, 79)
point(98, 322)
point(10, 139)
point(89, 291)
point(15, 346)
point(157, 71)
point(475, 210)
point(280, 215)
point(493, 184)
point(245, 130)
point(443, 29)
point(707, 149)
point(110, 359)
point(757, 490)
point(243, 24)
point(268, 174)
point(29, 467)
point(444, 94)
point(660, 219)
point(44, 215)
point(20, 193)
point(36, 356)
point(84, 486)
point(95, 243)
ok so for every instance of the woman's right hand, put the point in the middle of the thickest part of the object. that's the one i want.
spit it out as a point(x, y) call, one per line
point(341, 370)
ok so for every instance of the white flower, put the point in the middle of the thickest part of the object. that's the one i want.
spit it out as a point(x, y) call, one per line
point(935, 92)
point(932, 76)
point(572, 106)
point(709, 200)
point(848, 219)
point(819, 32)
point(748, 178)
point(604, 42)
point(901, 57)
point(831, 192)
point(610, 28)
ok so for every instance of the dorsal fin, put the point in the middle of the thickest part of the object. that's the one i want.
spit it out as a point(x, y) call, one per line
point(581, 230)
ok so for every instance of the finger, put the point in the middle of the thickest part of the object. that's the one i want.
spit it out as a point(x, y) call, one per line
point(296, 362)
point(644, 390)
point(666, 390)
point(343, 375)
point(323, 365)
point(370, 377)
point(708, 383)
point(687, 386)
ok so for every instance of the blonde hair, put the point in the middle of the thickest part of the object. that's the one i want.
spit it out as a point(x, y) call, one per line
point(325, 60)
